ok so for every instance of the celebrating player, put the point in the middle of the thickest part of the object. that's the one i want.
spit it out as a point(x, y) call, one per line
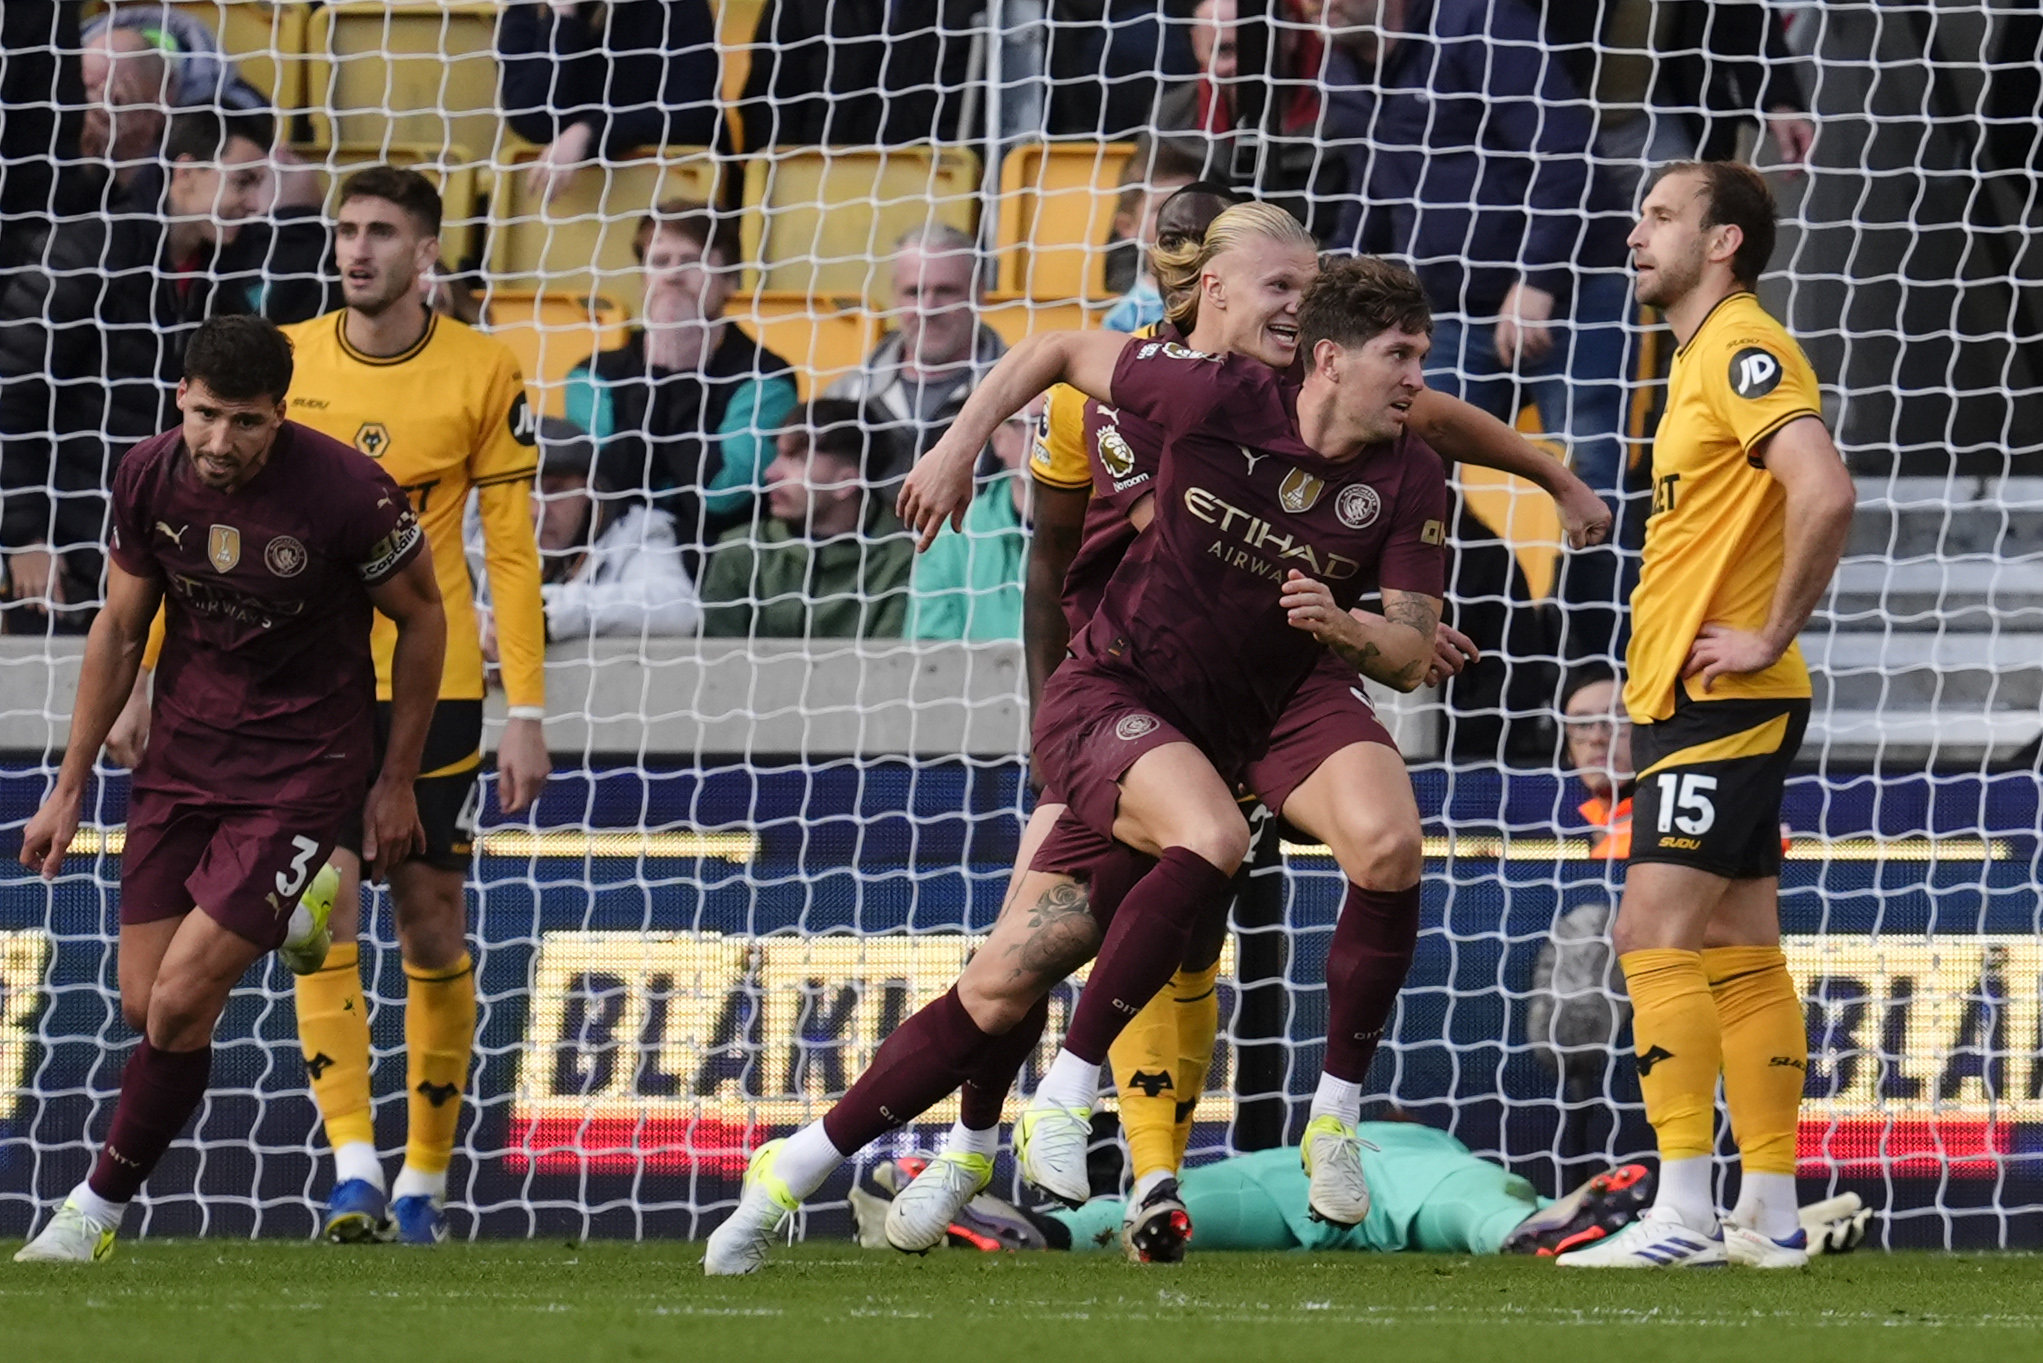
point(271, 544)
point(1750, 508)
point(1205, 631)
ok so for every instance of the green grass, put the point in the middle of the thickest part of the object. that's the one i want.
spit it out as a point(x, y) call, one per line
point(222, 1300)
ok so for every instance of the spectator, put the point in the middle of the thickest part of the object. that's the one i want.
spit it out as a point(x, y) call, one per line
point(92, 346)
point(920, 374)
point(127, 108)
point(686, 408)
point(1600, 754)
point(610, 564)
point(1155, 170)
point(969, 585)
point(1475, 146)
point(1104, 60)
point(831, 562)
point(858, 73)
point(596, 80)
point(43, 95)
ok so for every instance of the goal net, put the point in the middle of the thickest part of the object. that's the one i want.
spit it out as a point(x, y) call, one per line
point(758, 854)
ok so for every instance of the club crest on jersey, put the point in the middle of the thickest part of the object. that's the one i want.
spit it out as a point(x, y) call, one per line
point(1754, 372)
point(223, 547)
point(1358, 506)
point(373, 439)
point(1133, 727)
point(1299, 491)
point(284, 556)
point(1115, 456)
point(1172, 350)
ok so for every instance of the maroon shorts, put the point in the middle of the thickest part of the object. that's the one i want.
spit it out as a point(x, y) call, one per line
point(1090, 728)
point(244, 866)
point(1327, 713)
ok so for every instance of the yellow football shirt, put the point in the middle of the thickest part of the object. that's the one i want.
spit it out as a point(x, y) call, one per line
point(1714, 540)
point(446, 416)
point(1058, 458)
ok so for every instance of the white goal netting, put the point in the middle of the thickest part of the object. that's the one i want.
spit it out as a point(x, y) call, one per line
point(759, 853)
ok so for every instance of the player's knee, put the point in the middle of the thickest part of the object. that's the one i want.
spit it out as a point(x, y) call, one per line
point(432, 929)
point(1385, 856)
point(1223, 842)
point(135, 1010)
point(180, 1014)
point(997, 1006)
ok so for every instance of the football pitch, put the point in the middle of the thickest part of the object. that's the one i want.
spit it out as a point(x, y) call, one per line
point(219, 1299)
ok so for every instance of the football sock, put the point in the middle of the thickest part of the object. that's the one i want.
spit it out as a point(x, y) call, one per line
point(1145, 1066)
point(1766, 1063)
point(333, 1030)
point(1142, 1185)
point(1684, 1188)
point(1366, 966)
point(808, 1157)
point(1143, 948)
point(1337, 1098)
point(1679, 1051)
point(1197, 1000)
point(103, 1210)
point(357, 1160)
point(967, 1140)
point(926, 1058)
point(984, 1094)
point(1071, 1081)
point(159, 1092)
point(439, 1037)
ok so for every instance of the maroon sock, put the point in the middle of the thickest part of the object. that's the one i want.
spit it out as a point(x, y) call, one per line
point(159, 1092)
point(916, 1068)
point(1366, 965)
point(985, 1091)
point(1143, 948)
point(1112, 874)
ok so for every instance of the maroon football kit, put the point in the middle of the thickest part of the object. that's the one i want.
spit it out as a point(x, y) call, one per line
point(262, 733)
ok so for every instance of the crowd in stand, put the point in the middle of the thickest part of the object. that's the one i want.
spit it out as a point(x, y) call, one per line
point(688, 490)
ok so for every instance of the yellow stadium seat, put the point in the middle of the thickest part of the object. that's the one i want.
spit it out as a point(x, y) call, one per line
point(1057, 203)
point(823, 220)
point(421, 72)
point(454, 176)
point(551, 334)
point(736, 22)
point(1015, 317)
point(823, 338)
point(581, 242)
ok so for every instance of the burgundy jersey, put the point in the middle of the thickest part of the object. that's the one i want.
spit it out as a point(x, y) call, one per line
point(1193, 614)
point(265, 691)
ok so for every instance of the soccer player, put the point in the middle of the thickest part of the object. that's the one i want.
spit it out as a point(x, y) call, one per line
point(1750, 508)
point(442, 409)
point(271, 544)
point(1206, 629)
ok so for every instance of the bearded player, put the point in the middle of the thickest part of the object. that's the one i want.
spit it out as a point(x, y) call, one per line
point(272, 546)
point(1206, 630)
point(1751, 503)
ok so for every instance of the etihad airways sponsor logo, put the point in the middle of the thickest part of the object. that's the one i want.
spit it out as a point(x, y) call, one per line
point(1262, 548)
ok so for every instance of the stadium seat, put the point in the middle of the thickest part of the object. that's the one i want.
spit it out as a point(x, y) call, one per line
point(1056, 212)
point(736, 22)
point(581, 242)
point(551, 333)
point(823, 220)
point(421, 72)
point(1015, 317)
point(455, 176)
point(823, 338)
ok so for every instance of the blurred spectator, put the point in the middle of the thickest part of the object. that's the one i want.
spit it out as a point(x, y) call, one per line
point(686, 408)
point(831, 561)
point(920, 374)
point(858, 73)
point(1599, 738)
point(969, 585)
point(610, 564)
point(1155, 170)
point(1475, 145)
point(1105, 59)
point(92, 346)
point(43, 95)
point(589, 81)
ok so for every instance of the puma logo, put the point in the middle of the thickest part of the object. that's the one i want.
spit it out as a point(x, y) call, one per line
point(176, 536)
point(438, 1094)
point(1651, 1058)
point(1152, 1085)
point(1253, 459)
point(316, 1064)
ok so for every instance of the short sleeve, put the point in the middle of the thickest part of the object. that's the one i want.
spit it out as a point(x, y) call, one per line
point(1415, 556)
point(383, 534)
point(1057, 455)
point(1760, 383)
point(506, 446)
point(128, 545)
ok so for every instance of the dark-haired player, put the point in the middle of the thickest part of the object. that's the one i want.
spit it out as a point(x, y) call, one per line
point(273, 547)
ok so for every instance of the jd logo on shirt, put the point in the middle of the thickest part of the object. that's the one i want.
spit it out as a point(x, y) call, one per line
point(1754, 373)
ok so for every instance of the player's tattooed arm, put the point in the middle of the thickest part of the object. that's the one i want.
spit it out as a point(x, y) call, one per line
point(1462, 433)
point(1398, 648)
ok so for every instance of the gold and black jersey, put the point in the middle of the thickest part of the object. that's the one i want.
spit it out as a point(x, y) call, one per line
point(1714, 542)
point(447, 416)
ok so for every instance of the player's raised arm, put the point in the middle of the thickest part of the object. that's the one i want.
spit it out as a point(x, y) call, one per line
point(410, 597)
point(940, 486)
point(113, 656)
point(1466, 434)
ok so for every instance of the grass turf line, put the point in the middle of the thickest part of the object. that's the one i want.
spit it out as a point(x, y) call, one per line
point(215, 1299)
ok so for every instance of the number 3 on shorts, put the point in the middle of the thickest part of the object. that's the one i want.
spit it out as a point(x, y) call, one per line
point(291, 881)
point(1698, 811)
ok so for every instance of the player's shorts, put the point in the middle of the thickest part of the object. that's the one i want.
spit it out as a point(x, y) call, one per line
point(448, 790)
point(244, 866)
point(1090, 728)
point(1709, 784)
point(1328, 712)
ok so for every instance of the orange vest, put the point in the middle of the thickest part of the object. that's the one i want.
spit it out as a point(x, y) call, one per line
point(1615, 841)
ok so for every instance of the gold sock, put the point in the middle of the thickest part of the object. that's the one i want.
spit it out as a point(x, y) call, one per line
point(333, 1029)
point(1766, 1052)
point(1145, 1061)
point(1196, 996)
point(439, 1037)
point(1678, 1047)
